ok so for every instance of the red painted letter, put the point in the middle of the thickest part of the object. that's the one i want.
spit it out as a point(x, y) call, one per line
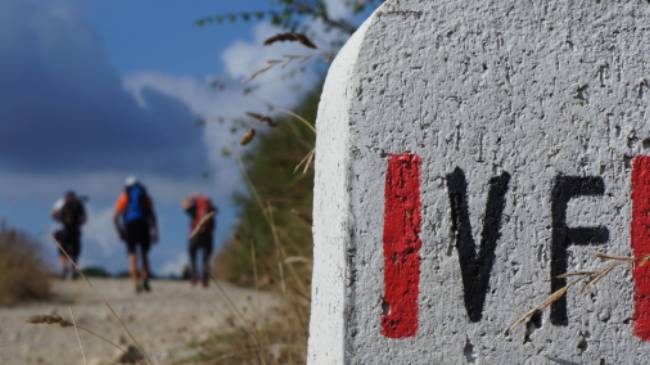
point(640, 234)
point(401, 246)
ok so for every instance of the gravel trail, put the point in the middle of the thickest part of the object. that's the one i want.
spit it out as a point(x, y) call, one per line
point(166, 321)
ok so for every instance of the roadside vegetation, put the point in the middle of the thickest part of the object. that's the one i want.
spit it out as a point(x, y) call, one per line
point(275, 219)
point(271, 248)
point(23, 274)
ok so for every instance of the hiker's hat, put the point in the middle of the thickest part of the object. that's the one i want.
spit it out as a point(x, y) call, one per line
point(130, 181)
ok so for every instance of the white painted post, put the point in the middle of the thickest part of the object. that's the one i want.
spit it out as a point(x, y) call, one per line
point(469, 152)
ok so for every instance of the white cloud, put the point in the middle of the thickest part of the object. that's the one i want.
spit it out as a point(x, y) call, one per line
point(203, 100)
point(85, 262)
point(241, 60)
point(97, 186)
point(338, 9)
point(100, 230)
point(175, 266)
point(72, 114)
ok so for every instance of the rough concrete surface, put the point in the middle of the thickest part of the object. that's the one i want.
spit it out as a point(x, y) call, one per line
point(526, 117)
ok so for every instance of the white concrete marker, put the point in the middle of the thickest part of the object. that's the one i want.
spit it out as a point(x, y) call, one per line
point(469, 152)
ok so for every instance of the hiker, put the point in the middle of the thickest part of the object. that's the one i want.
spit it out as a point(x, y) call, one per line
point(135, 222)
point(202, 213)
point(70, 212)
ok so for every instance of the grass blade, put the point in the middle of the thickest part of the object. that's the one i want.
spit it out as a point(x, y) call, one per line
point(599, 276)
point(76, 332)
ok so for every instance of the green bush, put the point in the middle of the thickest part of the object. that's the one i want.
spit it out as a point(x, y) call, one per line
point(95, 272)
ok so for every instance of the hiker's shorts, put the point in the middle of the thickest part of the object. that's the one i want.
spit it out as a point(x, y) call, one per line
point(138, 234)
point(202, 241)
point(70, 239)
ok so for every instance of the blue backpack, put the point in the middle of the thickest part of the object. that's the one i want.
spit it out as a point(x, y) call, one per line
point(136, 206)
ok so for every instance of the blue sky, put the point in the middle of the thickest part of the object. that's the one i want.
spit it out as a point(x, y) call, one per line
point(143, 35)
point(95, 90)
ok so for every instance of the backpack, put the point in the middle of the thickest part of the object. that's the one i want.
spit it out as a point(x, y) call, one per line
point(136, 207)
point(71, 213)
point(203, 206)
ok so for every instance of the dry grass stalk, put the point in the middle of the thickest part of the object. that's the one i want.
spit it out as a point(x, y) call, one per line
point(262, 118)
point(267, 213)
point(52, 319)
point(297, 259)
point(593, 278)
point(283, 279)
point(199, 227)
point(269, 65)
point(596, 278)
point(301, 288)
point(262, 340)
point(305, 162)
point(277, 261)
point(260, 345)
point(604, 256)
point(258, 199)
point(298, 117)
point(76, 332)
point(290, 113)
point(265, 340)
point(95, 334)
point(545, 304)
point(284, 62)
point(247, 137)
point(291, 37)
point(576, 273)
point(106, 303)
point(644, 261)
point(233, 307)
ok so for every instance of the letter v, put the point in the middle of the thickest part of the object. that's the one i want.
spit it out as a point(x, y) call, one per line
point(476, 268)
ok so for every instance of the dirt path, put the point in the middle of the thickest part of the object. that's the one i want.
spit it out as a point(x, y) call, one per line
point(166, 321)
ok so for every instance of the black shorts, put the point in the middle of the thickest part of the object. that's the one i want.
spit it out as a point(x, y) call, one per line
point(201, 241)
point(70, 239)
point(138, 234)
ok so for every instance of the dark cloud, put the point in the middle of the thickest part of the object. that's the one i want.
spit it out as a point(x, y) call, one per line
point(63, 108)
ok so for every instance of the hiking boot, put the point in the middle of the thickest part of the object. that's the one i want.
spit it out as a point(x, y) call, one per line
point(145, 285)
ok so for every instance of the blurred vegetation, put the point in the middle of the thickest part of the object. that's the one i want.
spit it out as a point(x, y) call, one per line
point(281, 341)
point(277, 210)
point(272, 246)
point(275, 219)
point(96, 272)
point(23, 274)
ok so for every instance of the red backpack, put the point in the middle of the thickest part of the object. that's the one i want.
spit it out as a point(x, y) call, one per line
point(203, 207)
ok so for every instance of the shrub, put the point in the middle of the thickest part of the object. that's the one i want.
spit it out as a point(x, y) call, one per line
point(96, 272)
point(23, 275)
